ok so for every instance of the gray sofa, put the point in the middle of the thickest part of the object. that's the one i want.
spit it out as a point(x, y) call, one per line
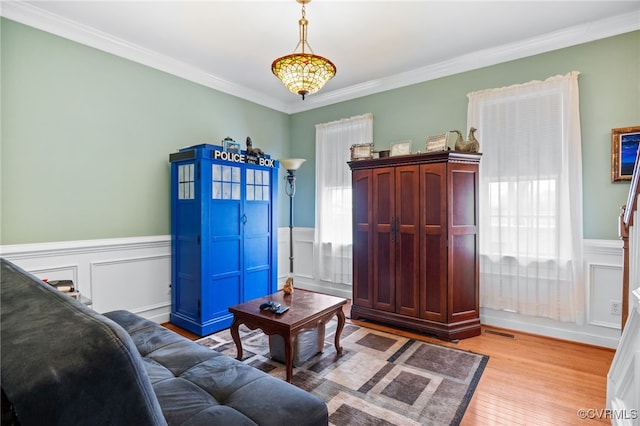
point(64, 364)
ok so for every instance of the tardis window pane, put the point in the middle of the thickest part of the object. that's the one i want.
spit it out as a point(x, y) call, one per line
point(185, 182)
point(235, 189)
point(216, 191)
point(226, 173)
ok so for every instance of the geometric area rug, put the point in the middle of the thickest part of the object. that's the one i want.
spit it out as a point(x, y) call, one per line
point(380, 379)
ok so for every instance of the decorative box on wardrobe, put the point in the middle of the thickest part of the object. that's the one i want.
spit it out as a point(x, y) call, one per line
point(223, 234)
point(415, 242)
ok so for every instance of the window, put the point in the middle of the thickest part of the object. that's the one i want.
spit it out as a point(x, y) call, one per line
point(333, 237)
point(522, 218)
point(531, 198)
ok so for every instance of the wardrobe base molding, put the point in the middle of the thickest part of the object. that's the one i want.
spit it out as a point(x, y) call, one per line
point(450, 331)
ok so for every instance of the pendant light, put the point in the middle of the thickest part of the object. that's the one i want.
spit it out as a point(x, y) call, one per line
point(303, 73)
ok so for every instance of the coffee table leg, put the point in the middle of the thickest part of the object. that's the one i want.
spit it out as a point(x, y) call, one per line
point(235, 334)
point(288, 355)
point(341, 321)
point(321, 333)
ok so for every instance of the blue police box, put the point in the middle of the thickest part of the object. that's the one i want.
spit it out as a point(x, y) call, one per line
point(223, 234)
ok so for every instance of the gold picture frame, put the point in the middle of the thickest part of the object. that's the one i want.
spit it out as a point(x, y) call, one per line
point(625, 142)
point(401, 148)
point(437, 143)
point(362, 151)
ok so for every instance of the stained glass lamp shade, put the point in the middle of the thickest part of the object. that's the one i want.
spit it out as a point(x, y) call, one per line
point(303, 73)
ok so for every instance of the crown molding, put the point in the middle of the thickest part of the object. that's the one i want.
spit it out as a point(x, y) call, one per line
point(33, 16)
point(567, 37)
point(38, 18)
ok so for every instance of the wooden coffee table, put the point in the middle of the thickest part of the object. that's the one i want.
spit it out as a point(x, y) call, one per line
point(307, 310)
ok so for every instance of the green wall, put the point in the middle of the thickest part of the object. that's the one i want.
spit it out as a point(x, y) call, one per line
point(86, 138)
point(609, 97)
point(86, 135)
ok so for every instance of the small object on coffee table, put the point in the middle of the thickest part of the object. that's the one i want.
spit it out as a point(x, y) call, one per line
point(281, 310)
point(274, 307)
point(269, 306)
point(288, 286)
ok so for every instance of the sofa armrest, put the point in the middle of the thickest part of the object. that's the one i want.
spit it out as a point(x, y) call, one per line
point(64, 364)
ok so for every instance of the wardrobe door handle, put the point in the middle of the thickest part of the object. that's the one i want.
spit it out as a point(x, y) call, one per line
point(393, 229)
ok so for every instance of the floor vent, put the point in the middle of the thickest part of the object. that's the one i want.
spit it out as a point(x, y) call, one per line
point(500, 333)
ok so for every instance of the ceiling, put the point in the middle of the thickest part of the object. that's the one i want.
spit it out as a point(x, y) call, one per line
point(376, 45)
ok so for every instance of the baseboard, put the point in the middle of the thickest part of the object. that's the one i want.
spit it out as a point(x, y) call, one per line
point(586, 334)
point(320, 287)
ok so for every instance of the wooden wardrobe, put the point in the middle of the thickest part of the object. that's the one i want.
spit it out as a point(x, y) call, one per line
point(415, 242)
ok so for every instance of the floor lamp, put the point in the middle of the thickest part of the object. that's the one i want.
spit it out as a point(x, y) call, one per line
point(291, 165)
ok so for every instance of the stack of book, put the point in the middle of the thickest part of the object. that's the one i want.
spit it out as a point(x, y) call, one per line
point(65, 286)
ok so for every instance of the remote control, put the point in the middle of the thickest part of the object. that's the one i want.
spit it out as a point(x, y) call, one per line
point(269, 306)
point(281, 310)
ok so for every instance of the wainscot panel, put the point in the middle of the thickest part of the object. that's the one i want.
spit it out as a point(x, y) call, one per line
point(123, 273)
point(603, 284)
point(305, 274)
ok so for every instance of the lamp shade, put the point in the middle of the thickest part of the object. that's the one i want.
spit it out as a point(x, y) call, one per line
point(292, 163)
point(303, 73)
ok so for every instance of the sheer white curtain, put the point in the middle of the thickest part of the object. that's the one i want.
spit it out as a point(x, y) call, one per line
point(531, 198)
point(333, 236)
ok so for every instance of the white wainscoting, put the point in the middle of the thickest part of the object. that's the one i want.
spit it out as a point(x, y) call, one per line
point(135, 274)
point(124, 273)
point(603, 284)
point(304, 270)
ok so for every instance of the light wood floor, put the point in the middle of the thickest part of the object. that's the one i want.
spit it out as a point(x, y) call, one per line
point(529, 379)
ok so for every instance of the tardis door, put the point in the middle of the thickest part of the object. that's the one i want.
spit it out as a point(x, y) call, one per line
point(257, 222)
point(223, 285)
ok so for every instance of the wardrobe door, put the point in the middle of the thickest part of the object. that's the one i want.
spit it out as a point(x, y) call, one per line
point(362, 238)
point(463, 243)
point(433, 241)
point(406, 237)
point(383, 239)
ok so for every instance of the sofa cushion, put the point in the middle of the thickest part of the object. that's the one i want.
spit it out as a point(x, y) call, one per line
point(196, 385)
